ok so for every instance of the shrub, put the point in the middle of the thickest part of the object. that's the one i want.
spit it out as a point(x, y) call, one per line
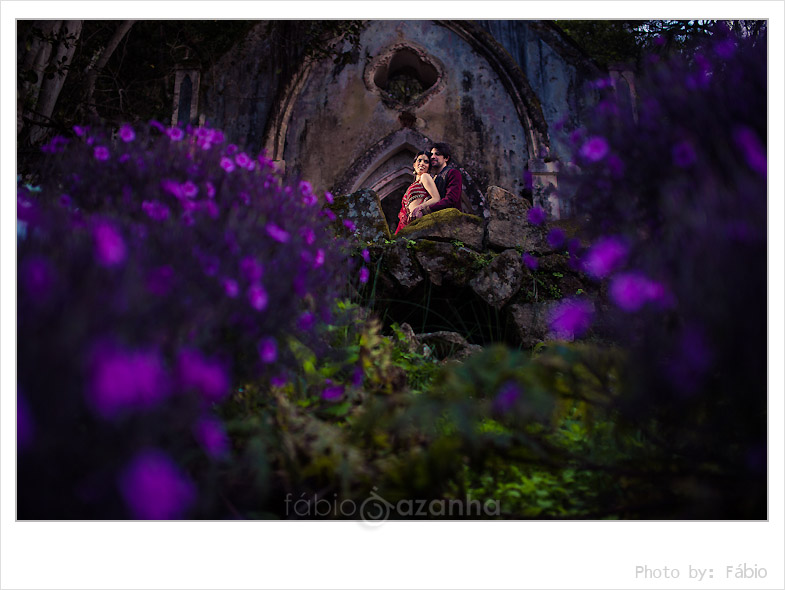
point(158, 270)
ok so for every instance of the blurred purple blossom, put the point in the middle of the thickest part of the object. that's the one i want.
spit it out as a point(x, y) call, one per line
point(328, 214)
point(754, 152)
point(505, 399)
point(243, 160)
point(155, 210)
point(349, 224)
point(571, 318)
point(631, 291)
point(366, 255)
point(319, 259)
point(210, 189)
point(683, 154)
point(189, 189)
point(328, 196)
point(175, 133)
point(127, 133)
point(556, 237)
point(231, 288)
point(227, 164)
point(155, 488)
point(332, 392)
point(530, 261)
point(268, 350)
point(55, 145)
point(257, 297)
point(278, 381)
point(595, 149)
point(364, 274)
point(125, 380)
point(536, 215)
point(208, 376)
point(358, 376)
point(110, 249)
point(251, 269)
point(212, 437)
point(37, 276)
point(101, 153)
point(306, 321)
point(604, 257)
point(276, 233)
point(308, 235)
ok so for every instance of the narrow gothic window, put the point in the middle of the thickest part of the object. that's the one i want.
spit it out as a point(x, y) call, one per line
point(184, 108)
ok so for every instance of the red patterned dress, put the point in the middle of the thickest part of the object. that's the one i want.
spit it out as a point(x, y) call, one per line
point(415, 191)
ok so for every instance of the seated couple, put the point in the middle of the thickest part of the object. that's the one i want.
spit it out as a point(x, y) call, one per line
point(437, 185)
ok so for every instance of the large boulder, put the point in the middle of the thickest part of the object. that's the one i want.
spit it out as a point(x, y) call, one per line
point(364, 210)
point(447, 225)
point(444, 262)
point(497, 283)
point(508, 223)
point(400, 263)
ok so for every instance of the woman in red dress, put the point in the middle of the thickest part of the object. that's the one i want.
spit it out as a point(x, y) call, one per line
point(421, 192)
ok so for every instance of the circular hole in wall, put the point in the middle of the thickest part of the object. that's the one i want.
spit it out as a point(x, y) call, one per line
point(406, 76)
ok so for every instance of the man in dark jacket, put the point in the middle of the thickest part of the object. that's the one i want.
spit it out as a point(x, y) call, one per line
point(448, 181)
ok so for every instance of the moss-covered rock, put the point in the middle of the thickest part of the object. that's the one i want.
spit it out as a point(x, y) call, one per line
point(364, 210)
point(444, 262)
point(500, 280)
point(447, 225)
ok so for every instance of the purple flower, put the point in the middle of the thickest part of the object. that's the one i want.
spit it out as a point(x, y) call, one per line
point(80, 131)
point(595, 149)
point(278, 381)
point(366, 255)
point(319, 260)
point(571, 318)
point(208, 376)
point(101, 153)
point(276, 233)
point(683, 154)
point(37, 275)
point(308, 235)
point(110, 247)
point(251, 269)
point(349, 224)
point(25, 427)
point(328, 214)
point(268, 350)
point(189, 189)
point(536, 216)
point(156, 125)
point(364, 275)
point(556, 237)
point(328, 196)
point(175, 133)
point(55, 146)
point(257, 297)
point(212, 209)
point(125, 380)
point(306, 321)
point(227, 164)
point(605, 257)
point(754, 152)
point(126, 133)
point(358, 376)
point(530, 261)
point(155, 210)
point(231, 149)
point(332, 392)
point(243, 160)
point(631, 291)
point(210, 189)
point(212, 437)
point(509, 393)
point(154, 487)
point(160, 280)
point(231, 288)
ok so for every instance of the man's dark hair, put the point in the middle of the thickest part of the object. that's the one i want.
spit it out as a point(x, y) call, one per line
point(443, 149)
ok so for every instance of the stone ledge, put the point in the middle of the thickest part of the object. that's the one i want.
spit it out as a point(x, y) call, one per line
point(447, 225)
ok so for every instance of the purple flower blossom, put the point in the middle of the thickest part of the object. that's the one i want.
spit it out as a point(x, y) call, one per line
point(155, 210)
point(154, 487)
point(207, 376)
point(231, 149)
point(276, 233)
point(81, 131)
point(251, 269)
point(556, 237)
point(358, 376)
point(175, 133)
point(126, 380)
point(366, 255)
point(189, 189)
point(754, 152)
point(306, 321)
point(683, 154)
point(227, 164)
point(536, 216)
point(530, 261)
point(631, 291)
point(278, 381)
point(211, 435)
point(55, 146)
point(210, 189)
point(268, 350)
point(319, 260)
point(25, 427)
point(126, 133)
point(505, 399)
point(594, 149)
point(349, 224)
point(571, 318)
point(159, 280)
point(231, 288)
point(243, 160)
point(328, 196)
point(37, 276)
point(308, 235)
point(156, 125)
point(605, 257)
point(364, 275)
point(101, 153)
point(257, 297)
point(110, 247)
point(332, 392)
point(212, 209)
